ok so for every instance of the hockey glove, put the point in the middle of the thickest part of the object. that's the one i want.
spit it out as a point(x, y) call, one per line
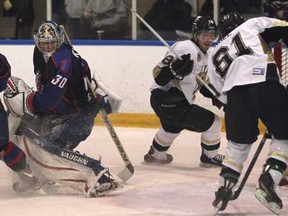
point(181, 67)
point(100, 99)
point(17, 97)
point(15, 85)
point(103, 103)
point(110, 100)
point(19, 104)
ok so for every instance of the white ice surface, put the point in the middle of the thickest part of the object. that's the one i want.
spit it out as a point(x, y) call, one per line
point(181, 188)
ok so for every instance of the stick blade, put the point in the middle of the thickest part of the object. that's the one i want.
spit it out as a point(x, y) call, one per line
point(126, 173)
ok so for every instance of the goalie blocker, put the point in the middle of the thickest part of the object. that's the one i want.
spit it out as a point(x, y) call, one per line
point(100, 88)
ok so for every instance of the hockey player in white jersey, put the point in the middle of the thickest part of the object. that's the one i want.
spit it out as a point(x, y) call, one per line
point(242, 68)
point(173, 97)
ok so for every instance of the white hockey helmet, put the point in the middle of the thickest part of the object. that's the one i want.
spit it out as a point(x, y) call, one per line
point(48, 37)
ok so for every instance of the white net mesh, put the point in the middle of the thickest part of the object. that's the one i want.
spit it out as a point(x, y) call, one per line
point(284, 65)
point(281, 58)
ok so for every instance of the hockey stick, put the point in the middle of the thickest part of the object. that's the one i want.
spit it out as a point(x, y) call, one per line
point(212, 91)
point(128, 171)
point(250, 167)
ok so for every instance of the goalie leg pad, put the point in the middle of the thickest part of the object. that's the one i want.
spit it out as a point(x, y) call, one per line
point(13, 124)
point(26, 181)
point(63, 153)
point(70, 168)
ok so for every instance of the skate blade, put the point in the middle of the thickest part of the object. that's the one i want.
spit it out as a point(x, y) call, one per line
point(216, 210)
point(272, 206)
point(207, 165)
point(155, 162)
point(218, 207)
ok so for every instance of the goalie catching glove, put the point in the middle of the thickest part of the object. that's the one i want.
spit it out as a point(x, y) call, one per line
point(17, 96)
point(181, 67)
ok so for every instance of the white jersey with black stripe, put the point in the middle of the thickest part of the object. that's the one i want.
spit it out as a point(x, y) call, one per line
point(189, 84)
point(240, 58)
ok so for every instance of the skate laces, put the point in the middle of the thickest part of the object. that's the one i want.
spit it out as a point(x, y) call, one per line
point(219, 157)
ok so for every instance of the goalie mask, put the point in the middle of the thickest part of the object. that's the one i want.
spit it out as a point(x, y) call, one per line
point(48, 37)
point(229, 22)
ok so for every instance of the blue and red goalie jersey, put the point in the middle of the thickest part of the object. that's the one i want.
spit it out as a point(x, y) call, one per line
point(60, 81)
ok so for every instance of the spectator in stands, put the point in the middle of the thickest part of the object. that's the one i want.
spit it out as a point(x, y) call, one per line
point(207, 8)
point(226, 6)
point(24, 12)
point(74, 26)
point(276, 9)
point(167, 16)
point(107, 19)
point(59, 13)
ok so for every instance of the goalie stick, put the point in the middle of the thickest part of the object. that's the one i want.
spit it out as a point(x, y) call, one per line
point(128, 171)
point(212, 91)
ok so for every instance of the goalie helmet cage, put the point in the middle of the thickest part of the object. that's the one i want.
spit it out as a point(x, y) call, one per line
point(281, 58)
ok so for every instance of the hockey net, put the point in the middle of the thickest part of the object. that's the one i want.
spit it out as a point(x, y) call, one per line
point(281, 58)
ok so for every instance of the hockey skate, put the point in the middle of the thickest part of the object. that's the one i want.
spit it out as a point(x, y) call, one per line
point(209, 162)
point(265, 193)
point(224, 194)
point(101, 184)
point(154, 156)
point(27, 182)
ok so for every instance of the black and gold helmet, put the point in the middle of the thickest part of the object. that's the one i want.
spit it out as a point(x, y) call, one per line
point(229, 22)
point(203, 24)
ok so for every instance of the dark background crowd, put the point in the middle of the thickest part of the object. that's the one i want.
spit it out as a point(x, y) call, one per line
point(111, 19)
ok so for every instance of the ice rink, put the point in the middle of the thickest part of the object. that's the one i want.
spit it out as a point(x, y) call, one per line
point(181, 188)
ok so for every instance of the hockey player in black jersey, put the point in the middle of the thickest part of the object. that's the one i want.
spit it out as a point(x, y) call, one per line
point(173, 97)
point(242, 68)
